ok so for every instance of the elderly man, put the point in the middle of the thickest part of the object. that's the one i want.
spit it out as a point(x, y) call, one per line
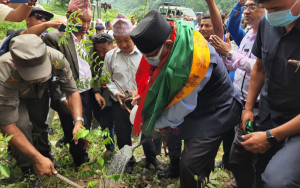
point(122, 63)
point(189, 89)
point(80, 70)
point(21, 67)
point(277, 78)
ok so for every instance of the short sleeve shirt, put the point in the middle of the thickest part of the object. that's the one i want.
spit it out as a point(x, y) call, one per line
point(274, 46)
point(12, 86)
point(4, 11)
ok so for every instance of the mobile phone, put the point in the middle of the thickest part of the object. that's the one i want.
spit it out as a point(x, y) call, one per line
point(62, 28)
point(18, 1)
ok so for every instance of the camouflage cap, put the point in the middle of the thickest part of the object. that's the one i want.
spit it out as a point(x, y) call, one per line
point(29, 53)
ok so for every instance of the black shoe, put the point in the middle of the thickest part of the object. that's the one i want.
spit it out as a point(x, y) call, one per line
point(129, 168)
point(168, 174)
point(60, 142)
point(50, 131)
point(28, 172)
point(156, 165)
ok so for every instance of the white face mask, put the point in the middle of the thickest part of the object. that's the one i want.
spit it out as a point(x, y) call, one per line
point(155, 60)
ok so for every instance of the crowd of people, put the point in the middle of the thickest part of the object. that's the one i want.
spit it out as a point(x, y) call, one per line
point(230, 78)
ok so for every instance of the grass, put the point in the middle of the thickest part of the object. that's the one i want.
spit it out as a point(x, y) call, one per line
point(141, 177)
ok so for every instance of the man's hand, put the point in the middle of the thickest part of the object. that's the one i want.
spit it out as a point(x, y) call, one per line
point(100, 100)
point(256, 142)
point(4, 2)
point(32, 2)
point(246, 116)
point(136, 97)
point(55, 23)
point(119, 97)
point(242, 1)
point(43, 166)
point(103, 85)
point(223, 48)
point(77, 127)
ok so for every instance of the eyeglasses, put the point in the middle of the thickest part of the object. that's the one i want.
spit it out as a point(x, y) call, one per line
point(252, 7)
point(40, 17)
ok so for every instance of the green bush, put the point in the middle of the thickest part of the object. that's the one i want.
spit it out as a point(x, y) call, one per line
point(4, 26)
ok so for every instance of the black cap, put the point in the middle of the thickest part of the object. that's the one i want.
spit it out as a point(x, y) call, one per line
point(151, 33)
point(40, 10)
point(99, 27)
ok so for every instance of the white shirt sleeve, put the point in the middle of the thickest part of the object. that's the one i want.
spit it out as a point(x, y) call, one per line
point(4, 11)
point(174, 116)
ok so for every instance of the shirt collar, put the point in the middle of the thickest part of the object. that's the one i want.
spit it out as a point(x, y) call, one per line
point(135, 50)
point(75, 38)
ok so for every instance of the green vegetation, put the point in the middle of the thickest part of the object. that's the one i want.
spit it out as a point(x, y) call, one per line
point(4, 26)
point(141, 177)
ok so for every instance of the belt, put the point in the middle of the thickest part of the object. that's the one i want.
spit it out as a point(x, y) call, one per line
point(84, 93)
point(256, 105)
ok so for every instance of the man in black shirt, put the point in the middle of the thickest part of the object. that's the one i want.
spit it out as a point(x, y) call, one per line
point(275, 75)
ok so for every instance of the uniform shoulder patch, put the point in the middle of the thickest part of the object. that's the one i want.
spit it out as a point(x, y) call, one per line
point(13, 82)
point(58, 63)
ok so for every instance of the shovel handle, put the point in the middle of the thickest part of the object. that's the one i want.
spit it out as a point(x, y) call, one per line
point(68, 181)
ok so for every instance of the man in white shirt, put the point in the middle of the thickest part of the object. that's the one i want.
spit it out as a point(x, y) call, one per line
point(81, 71)
point(122, 63)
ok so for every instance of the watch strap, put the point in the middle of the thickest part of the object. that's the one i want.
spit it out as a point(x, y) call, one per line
point(78, 119)
point(272, 140)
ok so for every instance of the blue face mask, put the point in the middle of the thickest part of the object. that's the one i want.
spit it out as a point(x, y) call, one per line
point(282, 18)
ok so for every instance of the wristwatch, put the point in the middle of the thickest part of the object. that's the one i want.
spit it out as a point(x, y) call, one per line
point(271, 138)
point(78, 119)
point(229, 55)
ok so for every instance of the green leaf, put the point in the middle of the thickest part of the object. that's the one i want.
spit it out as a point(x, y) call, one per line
point(196, 177)
point(214, 176)
point(115, 177)
point(7, 139)
point(5, 171)
point(100, 161)
point(210, 185)
point(214, 182)
point(85, 133)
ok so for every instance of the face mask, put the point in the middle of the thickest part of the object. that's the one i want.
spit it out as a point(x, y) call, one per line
point(155, 60)
point(282, 18)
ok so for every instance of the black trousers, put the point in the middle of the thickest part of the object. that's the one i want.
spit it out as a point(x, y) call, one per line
point(227, 143)
point(246, 166)
point(174, 147)
point(198, 158)
point(105, 119)
point(79, 155)
point(123, 128)
point(38, 111)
